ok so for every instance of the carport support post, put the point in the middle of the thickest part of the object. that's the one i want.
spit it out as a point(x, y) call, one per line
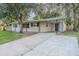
point(39, 26)
point(55, 29)
point(51, 25)
point(26, 29)
point(62, 25)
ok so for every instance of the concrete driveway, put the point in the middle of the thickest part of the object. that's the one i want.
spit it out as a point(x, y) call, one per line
point(41, 44)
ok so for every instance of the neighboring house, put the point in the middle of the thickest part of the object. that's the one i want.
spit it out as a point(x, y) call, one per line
point(43, 25)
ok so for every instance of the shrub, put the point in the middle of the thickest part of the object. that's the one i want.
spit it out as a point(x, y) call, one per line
point(2, 26)
point(48, 15)
point(53, 14)
point(69, 21)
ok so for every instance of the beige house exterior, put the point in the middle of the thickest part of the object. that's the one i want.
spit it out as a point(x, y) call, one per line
point(43, 25)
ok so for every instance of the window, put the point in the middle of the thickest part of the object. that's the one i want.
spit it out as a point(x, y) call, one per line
point(14, 25)
point(26, 25)
point(34, 24)
point(10, 25)
point(38, 24)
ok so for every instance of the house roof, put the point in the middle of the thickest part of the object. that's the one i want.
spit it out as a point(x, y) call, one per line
point(43, 20)
point(49, 19)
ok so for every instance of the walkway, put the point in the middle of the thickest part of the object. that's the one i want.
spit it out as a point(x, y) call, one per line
point(41, 44)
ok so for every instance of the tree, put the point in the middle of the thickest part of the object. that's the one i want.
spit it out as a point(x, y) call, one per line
point(69, 23)
point(3, 11)
point(17, 12)
point(74, 7)
point(41, 10)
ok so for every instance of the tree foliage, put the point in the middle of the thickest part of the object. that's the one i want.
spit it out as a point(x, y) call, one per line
point(53, 14)
point(75, 9)
point(19, 11)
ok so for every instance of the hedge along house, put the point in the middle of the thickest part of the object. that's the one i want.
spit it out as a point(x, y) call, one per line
point(43, 25)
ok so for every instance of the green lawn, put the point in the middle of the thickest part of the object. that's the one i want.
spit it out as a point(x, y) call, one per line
point(71, 33)
point(6, 36)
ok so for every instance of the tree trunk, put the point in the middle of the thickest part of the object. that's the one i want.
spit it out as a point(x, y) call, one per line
point(74, 25)
point(21, 28)
point(21, 22)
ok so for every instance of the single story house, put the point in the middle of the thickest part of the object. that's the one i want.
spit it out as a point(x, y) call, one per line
point(43, 25)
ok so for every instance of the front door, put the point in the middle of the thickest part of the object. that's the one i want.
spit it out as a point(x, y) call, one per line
point(56, 27)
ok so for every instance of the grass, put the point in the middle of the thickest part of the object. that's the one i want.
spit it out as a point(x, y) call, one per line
point(71, 33)
point(6, 36)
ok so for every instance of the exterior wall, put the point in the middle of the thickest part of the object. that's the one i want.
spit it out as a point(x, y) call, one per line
point(62, 26)
point(32, 28)
point(8, 28)
point(12, 28)
point(17, 29)
point(43, 27)
point(52, 27)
